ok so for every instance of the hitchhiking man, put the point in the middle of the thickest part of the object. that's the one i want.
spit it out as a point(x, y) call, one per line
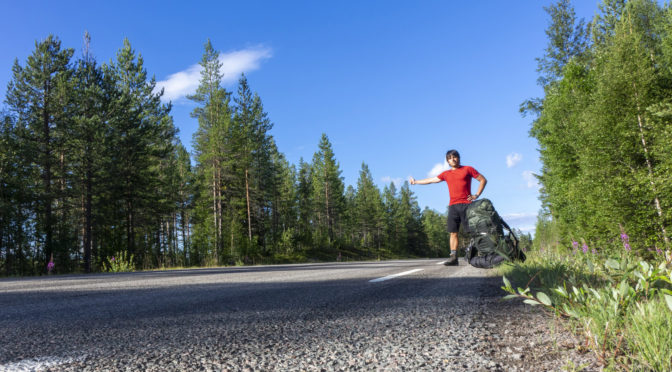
point(458, 178)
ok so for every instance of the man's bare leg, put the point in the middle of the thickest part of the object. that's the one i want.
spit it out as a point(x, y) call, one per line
point(453, 249)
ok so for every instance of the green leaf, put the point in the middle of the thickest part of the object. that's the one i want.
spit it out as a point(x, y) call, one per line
point(571, 312)
point(645, 266)
point(511, 296)
point(531, 302)
point(507, 284)
point(612, 264)
point(541, 296)
point(624, 288)
point(561, 291)
point(595, 293)
point(668, 300)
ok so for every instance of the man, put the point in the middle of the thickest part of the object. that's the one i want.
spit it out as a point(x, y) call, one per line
point(458, 178)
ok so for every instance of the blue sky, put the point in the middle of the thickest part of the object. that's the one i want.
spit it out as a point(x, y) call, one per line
point(394, 84)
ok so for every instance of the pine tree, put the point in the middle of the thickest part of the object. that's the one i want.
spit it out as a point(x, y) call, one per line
point(438, 238)
point(140, 135)
point(15, 200)
point(185, 191)
point(327, 194)
point(87, 137)
point(256, 153)
point(38, 95)
point(305, 203)
point(412, 236)
point(392, 224)
point(215, 160)
point(368, 214)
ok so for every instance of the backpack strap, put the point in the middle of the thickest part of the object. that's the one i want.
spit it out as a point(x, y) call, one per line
point(510, 231)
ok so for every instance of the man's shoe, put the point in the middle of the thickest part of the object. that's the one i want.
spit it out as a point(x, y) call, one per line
point(452, 261)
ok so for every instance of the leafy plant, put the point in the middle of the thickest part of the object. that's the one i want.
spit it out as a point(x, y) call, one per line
point(120, 262)
point(615, 302)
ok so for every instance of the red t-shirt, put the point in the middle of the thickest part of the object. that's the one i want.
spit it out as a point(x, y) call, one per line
point(459, 183)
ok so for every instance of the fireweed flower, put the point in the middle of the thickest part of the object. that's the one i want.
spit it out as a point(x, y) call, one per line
point(585, 248)
point(575, 246)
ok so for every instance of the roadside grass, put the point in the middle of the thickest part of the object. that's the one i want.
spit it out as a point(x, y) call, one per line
point(620, 304)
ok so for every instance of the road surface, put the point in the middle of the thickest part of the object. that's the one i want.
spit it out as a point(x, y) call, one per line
point(389, 315)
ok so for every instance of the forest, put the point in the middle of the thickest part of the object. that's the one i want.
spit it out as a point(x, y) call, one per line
point(603, 127)
point(92, 171)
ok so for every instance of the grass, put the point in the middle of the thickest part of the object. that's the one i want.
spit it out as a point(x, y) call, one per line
point(620, 304)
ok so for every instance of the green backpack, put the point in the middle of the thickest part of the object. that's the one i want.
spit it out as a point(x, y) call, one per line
point(486, 229)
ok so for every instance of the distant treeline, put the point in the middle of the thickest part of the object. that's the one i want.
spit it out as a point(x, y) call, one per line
point(604, 126)
point(90, 166)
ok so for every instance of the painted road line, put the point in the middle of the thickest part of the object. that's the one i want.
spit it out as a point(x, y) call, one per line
point(394, 276)
point(38, 364)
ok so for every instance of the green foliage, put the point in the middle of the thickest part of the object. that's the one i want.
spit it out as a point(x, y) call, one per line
point(603, 125)
point(619, 303)
point(647, 332)
point(119, 263)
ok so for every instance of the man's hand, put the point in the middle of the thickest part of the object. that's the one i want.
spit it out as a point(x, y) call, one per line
point(472, 197)
point(412, 181)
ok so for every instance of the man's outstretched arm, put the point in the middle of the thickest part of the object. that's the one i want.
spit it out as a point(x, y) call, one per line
point(426, 181)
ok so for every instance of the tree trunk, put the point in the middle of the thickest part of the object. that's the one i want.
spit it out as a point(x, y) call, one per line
point(184, 234)
point(249, 216)
point(48, 248)
point(649, 167)
point(87, 217)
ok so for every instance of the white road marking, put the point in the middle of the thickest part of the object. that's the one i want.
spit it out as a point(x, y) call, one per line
point(394, 276)
point(38, 364)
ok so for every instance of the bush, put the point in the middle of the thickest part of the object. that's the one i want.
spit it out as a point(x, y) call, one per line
point(119, 263)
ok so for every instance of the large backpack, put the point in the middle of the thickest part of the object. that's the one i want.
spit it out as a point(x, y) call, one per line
point(489, 245)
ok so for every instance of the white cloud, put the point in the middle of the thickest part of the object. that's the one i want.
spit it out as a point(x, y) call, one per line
point(182, 83)
point(397, 181)
point(513, 159)
point(438, 168)
point(531, 180)
point(525, 222)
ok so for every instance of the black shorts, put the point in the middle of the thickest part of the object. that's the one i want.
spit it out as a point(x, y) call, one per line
point(457, 214)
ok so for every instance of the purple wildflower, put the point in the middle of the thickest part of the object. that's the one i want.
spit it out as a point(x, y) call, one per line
point(575, 244)
point(659, 251)
point(625, 238)
point(594, 251)
point(585, 248)
point(112, 259)
point(50, 266)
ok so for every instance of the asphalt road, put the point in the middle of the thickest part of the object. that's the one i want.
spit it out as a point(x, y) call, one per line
point(390, 315)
